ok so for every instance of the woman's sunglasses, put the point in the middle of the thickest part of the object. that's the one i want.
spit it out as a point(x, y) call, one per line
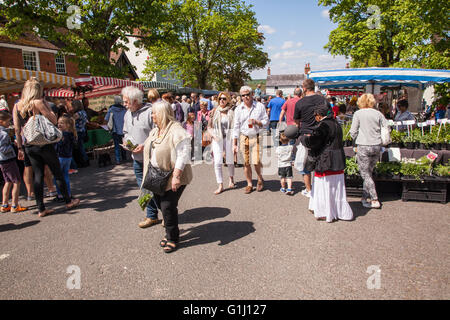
point(223, 98)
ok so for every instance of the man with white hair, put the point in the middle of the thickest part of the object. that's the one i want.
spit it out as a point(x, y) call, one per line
point(117, 112)
point(185, 106)
point(249, 118)
point(137, 126)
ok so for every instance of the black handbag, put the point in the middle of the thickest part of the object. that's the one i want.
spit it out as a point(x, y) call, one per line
point(156, 179)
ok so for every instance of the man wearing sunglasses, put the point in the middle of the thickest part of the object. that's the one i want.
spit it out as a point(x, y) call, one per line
point(250, 117)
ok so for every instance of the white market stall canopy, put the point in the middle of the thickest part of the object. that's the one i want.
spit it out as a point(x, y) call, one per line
point(384, 77)
point(159, 85)
point(12, 80)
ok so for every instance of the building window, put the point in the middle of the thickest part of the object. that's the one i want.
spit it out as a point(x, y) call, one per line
point(60, 64)
point(30, 60)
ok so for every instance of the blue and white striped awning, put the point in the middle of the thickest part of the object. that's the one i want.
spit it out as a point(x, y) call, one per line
point(389, 77)
point(159, 85)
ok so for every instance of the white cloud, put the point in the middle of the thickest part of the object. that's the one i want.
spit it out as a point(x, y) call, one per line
point(266, 29)
point(299, 44)
point(326, 14)
point(287, 45)
point(271, 48)
point(293, 54)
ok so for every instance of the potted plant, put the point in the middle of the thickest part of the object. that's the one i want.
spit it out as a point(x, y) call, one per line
point(442, 171)
point(389, 170)
point(347, 139)
point(409, 142)
point(397, 139)
point(416, 170)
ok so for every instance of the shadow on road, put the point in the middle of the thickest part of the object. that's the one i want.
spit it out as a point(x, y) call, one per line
point(358, 209)
point(225, 232)
point(11, 226)
point(202, 214)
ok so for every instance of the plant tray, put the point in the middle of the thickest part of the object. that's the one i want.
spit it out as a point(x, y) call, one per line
point(425, 191)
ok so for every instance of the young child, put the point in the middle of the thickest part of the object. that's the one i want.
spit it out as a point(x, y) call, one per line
point(64, 149)
point(8, 164)
point(284, 153)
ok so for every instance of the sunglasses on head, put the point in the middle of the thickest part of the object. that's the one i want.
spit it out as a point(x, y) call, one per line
point(245, 95)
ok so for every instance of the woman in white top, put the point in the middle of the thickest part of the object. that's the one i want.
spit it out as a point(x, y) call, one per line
point(366, 129)
point(220, 126)
point(168, 147)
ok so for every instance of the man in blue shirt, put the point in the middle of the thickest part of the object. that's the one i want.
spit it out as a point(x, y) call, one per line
point(274, 109)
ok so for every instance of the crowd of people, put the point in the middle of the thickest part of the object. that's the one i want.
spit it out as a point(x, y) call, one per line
point(159, 134)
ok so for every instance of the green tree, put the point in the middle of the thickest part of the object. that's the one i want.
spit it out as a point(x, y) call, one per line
point(205, 39)
point(385, 33)
point(91, 30)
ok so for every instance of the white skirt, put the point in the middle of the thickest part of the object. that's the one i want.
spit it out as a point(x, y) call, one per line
point(329, 199)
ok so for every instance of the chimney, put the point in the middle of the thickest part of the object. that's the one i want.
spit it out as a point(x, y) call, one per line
point(307, 68)
point(268, 71)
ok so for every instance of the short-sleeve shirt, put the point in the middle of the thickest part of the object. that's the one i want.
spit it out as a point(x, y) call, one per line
point(289, 108)
point(275, 108)
point(304, 111)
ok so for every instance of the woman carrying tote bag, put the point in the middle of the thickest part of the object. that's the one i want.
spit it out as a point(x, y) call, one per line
point(32, 103)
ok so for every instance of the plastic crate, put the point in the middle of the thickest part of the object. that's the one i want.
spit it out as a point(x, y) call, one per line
point(425, 191)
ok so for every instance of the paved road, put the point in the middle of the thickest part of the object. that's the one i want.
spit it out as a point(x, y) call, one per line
point(234, 246)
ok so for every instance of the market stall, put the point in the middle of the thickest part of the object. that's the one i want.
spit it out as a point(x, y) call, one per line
point(377, 80)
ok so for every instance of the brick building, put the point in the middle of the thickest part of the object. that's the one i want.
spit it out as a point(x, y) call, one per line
point(33, 53)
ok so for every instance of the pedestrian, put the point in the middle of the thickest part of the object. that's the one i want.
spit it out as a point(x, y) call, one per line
point(274, 110)
point(177, 109)
point(81, 119)
point(250, 118)
point(3, 103)
point(220, 126)
point(8, 165)
point(328, 199)
point(31, 103)
point(195, 102)
point(64, 149)
point(284, 153)
point(117, 112)
point(185, 106)
point(366, 132)
point(203, 118)
point(168, 148)
point(288, 108)
point(137, 126)
point(208, 101)
point(258, 91)
point(305, 119)
point(188, 125)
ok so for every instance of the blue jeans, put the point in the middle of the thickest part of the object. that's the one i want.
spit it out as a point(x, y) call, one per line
point(152, 209)
point(120, 153)
point(65, 166)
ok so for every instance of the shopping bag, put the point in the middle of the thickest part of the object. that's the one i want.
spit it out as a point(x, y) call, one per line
point(300, 157)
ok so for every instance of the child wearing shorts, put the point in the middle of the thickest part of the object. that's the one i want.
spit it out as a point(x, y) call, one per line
point(8, 165)
point(284, 154)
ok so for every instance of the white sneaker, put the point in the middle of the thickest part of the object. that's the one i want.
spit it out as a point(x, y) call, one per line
point(306, 193)
point(372, 205)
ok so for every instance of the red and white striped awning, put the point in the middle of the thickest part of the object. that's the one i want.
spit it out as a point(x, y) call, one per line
point(60, 93)
point(103, 91)
point(106, 81)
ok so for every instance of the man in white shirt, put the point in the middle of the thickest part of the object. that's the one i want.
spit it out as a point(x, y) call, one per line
point(249, 118)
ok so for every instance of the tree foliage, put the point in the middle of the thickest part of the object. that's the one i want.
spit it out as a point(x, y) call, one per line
point(406, 33)
point(213, 42)
point(103, 26)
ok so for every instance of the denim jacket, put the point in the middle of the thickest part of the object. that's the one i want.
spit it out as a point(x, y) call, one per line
point(6, 149)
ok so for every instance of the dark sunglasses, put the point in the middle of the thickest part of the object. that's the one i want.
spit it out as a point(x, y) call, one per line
point(223, 98)
point(245, 95)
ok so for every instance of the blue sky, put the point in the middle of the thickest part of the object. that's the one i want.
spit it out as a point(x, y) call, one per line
point(296, 32)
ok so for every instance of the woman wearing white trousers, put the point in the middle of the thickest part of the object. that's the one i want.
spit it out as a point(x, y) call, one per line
point(219, 127)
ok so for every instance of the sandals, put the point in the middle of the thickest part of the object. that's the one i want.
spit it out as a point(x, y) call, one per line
point(163, 243)
point(170, 246)
point(45, 213)
point(73, 204)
